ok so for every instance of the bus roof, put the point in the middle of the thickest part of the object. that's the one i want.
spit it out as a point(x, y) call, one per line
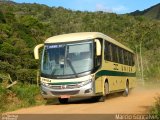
point(71, 37)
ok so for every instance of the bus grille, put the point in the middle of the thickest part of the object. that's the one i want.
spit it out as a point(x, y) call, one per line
point(65, 92)
point(69, 86)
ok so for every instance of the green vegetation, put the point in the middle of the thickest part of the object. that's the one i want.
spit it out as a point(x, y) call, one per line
point(156, 109)
point(22, 26)
point(21, 95)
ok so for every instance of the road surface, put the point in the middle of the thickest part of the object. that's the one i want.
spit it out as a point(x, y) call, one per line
point(139, 101)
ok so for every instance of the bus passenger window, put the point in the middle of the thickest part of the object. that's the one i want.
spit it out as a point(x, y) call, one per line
point(133, 60)
point(117, 54)
point(114, 53)
point(125, 57)
point(108, 51)
point(120, 52)
point(130, 59)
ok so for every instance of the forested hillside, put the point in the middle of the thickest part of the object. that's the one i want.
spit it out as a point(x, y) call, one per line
point(22, 26)
point(152, 12)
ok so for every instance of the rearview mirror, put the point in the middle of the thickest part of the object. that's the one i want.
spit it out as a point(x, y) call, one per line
point(36, 51)
point(98, 47)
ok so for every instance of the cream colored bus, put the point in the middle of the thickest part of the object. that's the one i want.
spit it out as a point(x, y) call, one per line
point(85, 64)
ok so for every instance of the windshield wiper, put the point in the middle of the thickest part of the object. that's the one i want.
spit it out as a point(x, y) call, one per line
point(70, 64)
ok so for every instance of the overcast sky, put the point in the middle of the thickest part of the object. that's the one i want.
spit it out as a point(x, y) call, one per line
point(115, 6)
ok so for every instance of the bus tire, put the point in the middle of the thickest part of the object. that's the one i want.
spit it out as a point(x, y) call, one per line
point(101, 98)
point(126, 91)
point(63, 100)
point(106, 88)
point(106, 91)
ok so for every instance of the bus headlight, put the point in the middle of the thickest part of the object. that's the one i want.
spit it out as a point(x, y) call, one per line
point(84, 83)
point(45, 84)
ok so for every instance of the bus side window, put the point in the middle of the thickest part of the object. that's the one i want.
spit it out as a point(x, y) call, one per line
point(130, 59)
point(115, 53)
point(133, 60)
point(120, 52)
point(111, 51)
point(108, 51)
point(125, 57)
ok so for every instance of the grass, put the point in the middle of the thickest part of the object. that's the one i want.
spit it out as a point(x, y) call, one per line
point(2, 98)
point(19, 96)
point(156, 108)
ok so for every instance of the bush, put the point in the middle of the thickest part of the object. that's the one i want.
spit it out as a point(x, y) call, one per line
point(6, 68)
point(153, 71)
point(2, 17)
point(26, 93)
point(156, 108)
point(8, 48)
point(2, 98)
point(19, 96)
point(26, 75)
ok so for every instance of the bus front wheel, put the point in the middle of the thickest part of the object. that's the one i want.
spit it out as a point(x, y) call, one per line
point(106, 91)
point(63, 100)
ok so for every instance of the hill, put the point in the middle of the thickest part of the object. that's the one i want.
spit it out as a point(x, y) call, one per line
point(22, 26)
point(152, 12)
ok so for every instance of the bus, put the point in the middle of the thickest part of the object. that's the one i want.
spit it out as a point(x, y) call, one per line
point(85, 64)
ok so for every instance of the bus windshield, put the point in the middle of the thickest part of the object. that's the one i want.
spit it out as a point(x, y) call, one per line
point(60, 60)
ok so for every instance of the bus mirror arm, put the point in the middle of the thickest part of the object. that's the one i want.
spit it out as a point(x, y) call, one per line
point(36, 51)
point(98, 47)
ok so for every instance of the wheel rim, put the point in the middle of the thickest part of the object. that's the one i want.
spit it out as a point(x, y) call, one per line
point(127, 88)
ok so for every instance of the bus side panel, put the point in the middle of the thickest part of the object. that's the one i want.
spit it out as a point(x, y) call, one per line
point(117, 83)
point(98, 85)
point(121, 82)
point(114, 83)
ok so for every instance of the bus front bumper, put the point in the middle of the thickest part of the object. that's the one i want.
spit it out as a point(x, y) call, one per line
point(86, 90)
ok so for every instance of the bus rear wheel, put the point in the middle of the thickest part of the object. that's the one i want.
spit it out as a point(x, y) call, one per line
point(63, 100)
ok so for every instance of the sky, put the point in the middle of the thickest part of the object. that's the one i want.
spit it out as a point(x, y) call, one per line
point(114, 6)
